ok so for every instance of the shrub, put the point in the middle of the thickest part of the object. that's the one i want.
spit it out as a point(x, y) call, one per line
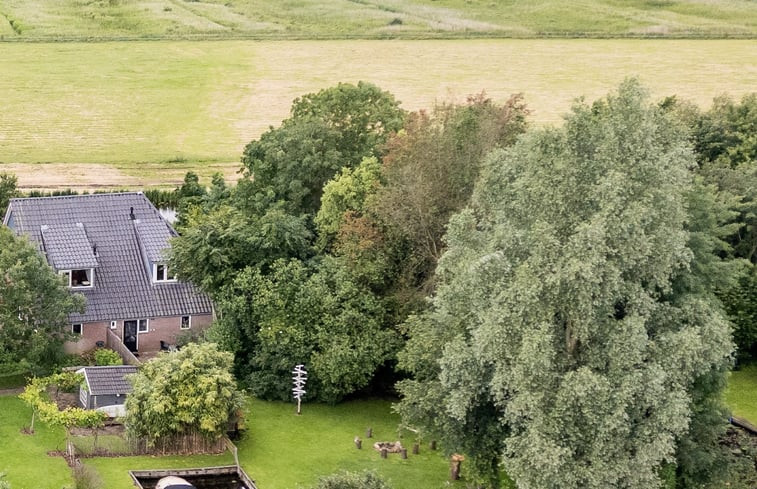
point(86, 477)
point(352, 480)
point(105, 356)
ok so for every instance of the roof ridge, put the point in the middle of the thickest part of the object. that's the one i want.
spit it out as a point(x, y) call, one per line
point(102, 194)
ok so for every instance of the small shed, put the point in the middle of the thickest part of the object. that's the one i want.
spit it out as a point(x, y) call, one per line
point(105, 386)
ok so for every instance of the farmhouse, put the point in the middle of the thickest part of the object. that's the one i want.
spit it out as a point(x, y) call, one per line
point(105, 386)
point(110, 248)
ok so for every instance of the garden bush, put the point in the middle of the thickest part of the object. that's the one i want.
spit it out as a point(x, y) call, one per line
point(105, 356)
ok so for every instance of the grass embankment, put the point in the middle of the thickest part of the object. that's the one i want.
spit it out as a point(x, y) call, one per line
point(141, 114)
point(741, 393)
point(340, 19)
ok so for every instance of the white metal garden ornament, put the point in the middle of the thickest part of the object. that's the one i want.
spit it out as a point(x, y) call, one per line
point(300, 377)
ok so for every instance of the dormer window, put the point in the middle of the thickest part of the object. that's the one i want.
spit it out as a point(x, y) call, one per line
point(79, 278)
point(161, 273)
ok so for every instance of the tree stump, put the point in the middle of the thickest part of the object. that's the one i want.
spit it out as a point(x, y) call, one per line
point(454, 466)
point(358, 443)
point(369, 433)
point(384, 452)
point(416, 448)
point(432, 445)
point(403, 453)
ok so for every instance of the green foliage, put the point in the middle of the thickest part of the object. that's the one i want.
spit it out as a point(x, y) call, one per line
point(346, 192)
point(34, 305)
point(327, 131)
point(35, 396)
point(431, 166)
point(86, 477)
point(4, 484)
point(189, 391)
point(727, 150)
point(728, 131)
point(563, 309)
point(318, 317)
point(106, 356)
point(8, 183)
point(216, 245)
point(352, 480)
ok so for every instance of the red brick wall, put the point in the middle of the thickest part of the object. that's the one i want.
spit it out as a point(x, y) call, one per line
point(91, 333)
point(166, 329)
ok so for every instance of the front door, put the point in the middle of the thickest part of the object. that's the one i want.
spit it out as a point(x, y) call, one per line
point(130, 335)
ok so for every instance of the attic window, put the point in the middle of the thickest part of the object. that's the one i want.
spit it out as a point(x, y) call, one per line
point(161, 273)
point(79, 278)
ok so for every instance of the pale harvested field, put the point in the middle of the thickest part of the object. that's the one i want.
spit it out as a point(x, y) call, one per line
point(142, 113)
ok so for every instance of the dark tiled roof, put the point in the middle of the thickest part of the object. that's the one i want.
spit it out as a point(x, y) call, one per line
point(111, 380)
point(67, 247)
point(123, 286)
point(153, 236)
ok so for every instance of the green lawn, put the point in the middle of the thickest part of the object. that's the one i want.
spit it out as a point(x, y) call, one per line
point(266, 19)
point(24, 457)
point(281, 450)
point(135, 114)
point(284, 451)
point(741, 394)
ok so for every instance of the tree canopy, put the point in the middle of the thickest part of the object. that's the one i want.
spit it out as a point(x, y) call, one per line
point(190, 391)
point(563, 338)
point(34, 306)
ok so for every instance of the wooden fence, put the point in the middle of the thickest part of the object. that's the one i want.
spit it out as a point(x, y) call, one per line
point(114, 343)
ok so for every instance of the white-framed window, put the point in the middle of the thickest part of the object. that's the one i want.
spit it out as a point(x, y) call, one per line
point(77, 329)
point(161, 273)
point(79, 278)
point(186, 322)
point(143, 326)
point(113, 325)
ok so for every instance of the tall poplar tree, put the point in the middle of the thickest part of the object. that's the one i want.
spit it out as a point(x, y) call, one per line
point(567, 334)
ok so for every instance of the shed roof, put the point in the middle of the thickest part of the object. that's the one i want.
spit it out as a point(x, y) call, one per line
point(109, 380)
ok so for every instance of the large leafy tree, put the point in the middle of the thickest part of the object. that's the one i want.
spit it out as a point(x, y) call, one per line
point(191, 391)
point(297, 314)
point(34, 305)
point(725, 138)
point(566, 337)
point(327, 131)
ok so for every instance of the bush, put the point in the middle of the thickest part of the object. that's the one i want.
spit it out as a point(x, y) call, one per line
point(86, 477)
point(14, 375)
point(105, 356)
point(352, 480)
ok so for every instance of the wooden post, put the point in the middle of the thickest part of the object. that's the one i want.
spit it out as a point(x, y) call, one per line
point(416, 448)
point(432, 445)
point(383, 452)
point(358, 443)
point(454, 466)
point(369, 432)
point(403, 453)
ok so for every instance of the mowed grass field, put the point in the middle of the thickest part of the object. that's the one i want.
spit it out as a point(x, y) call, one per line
point(311, 19)
point(134, 114)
